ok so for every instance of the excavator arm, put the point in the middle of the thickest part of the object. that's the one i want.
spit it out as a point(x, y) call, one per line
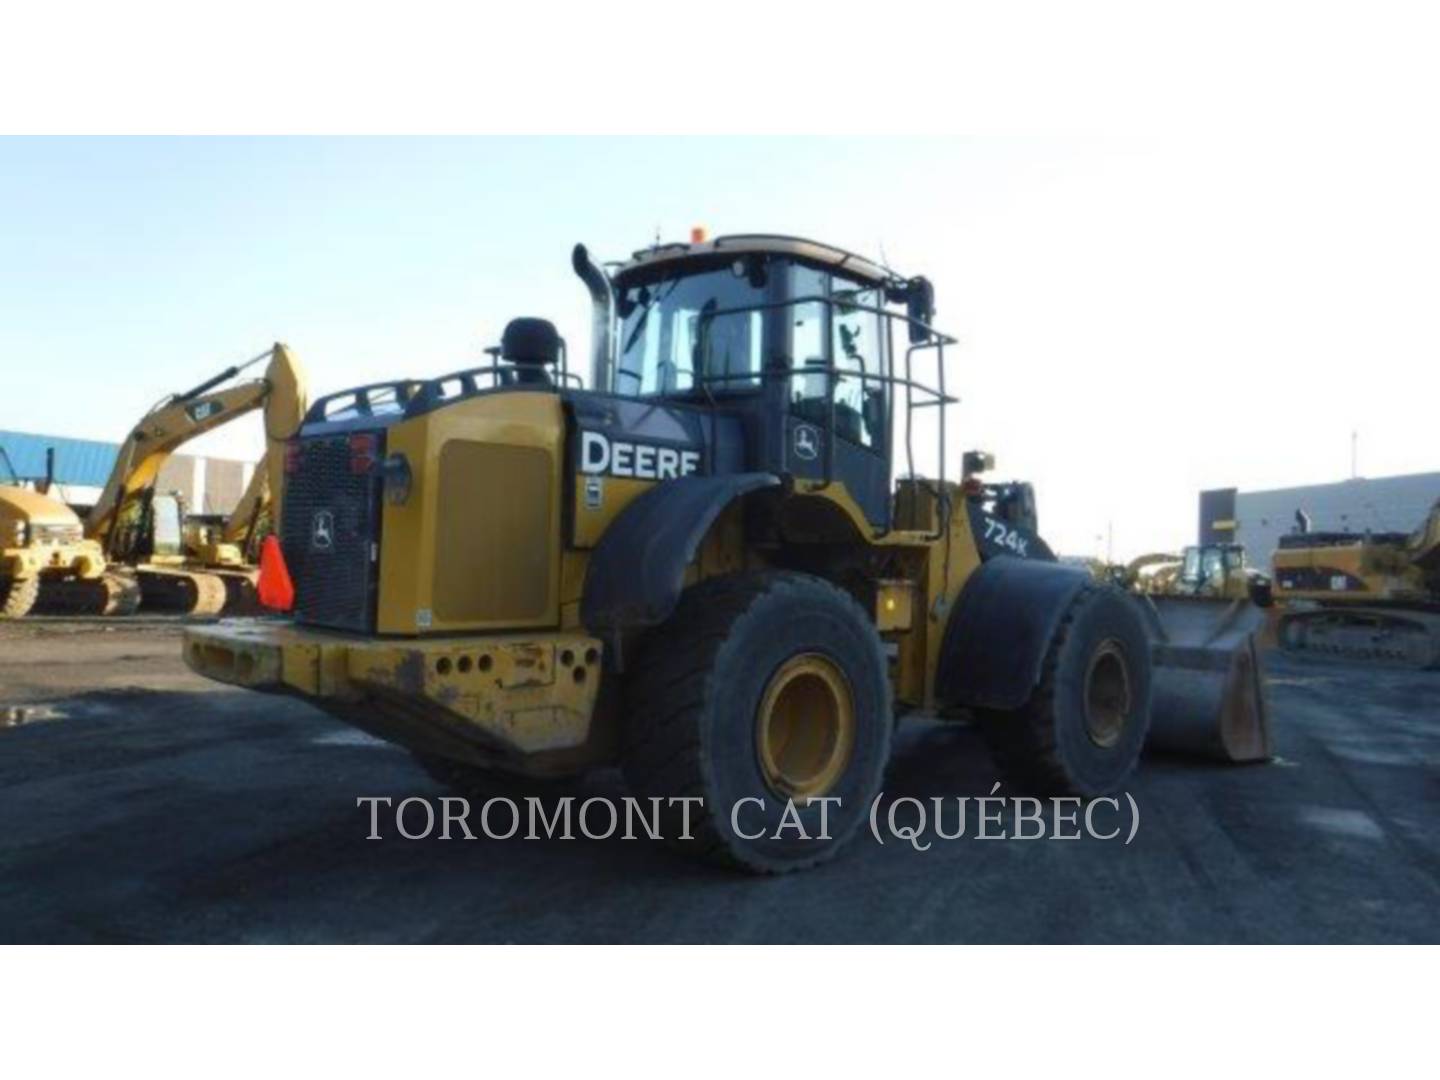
point(254, 502)
point(178, 419)
point(1424, 545)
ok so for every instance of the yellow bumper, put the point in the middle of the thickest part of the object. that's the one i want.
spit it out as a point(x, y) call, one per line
point(528, 693)
point(84, 559)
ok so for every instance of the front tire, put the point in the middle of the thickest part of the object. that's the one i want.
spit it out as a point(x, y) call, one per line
point(770, 688)
point(1085, 724)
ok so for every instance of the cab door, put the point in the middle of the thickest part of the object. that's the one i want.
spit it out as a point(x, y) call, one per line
point(834, 323)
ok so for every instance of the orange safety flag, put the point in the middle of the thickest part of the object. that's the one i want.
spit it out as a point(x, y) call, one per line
point(277, 591)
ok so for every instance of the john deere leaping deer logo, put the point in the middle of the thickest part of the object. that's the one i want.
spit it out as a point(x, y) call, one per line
point(807, 442)
point(322, 530)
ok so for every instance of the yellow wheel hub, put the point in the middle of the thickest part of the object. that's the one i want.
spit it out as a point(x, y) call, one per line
point(805, 729)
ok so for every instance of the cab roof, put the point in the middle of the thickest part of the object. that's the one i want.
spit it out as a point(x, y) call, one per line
point(811, 251)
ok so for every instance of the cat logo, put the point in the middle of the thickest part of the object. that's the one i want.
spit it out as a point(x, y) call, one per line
point(203, 410)
point(322, 531)
point(807, 442)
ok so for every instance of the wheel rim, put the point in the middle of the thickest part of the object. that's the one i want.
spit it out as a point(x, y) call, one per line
point(805, 728)
point(1107, 694)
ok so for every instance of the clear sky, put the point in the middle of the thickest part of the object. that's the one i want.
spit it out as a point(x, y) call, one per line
point(1140, 318)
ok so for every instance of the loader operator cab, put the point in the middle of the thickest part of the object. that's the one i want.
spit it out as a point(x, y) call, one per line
point(1222, 570)
point(794, 337)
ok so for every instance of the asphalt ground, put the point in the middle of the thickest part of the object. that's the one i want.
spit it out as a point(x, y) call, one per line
point(140, 803)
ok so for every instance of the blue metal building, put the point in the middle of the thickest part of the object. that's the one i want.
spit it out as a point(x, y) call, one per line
point(82, 462)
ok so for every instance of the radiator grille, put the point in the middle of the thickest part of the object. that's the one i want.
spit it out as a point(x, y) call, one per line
point(56, 534)
point(331, 531)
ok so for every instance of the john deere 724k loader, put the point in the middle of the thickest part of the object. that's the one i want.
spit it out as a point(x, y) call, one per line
point(700, 568)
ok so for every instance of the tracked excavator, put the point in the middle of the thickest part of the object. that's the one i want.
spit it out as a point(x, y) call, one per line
point(1369, 597)
point(143, 532)
point(704, 567)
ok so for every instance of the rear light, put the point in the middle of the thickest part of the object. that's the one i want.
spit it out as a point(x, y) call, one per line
point(362, 453)
point(292, 457)
point(397, 479)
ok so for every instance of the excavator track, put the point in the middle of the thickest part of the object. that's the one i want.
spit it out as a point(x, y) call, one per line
point(241, 592)
point(1394, 637)
point(182, 592)
point(110, 594)
point(17, 598)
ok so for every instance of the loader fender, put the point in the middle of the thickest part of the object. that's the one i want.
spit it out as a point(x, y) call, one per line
point(999, 630)
point(637, 570)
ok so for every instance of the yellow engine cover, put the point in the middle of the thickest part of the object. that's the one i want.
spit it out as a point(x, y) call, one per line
point(476, 546)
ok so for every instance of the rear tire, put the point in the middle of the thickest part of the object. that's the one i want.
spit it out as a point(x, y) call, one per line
point(1085, 724)
point(769, 687)
point(18, 597)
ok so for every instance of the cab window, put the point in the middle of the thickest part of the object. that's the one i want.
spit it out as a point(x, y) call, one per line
point(708, 323)
point(848, 334)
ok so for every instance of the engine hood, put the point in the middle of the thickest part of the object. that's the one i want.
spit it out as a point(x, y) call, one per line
point(22, 504)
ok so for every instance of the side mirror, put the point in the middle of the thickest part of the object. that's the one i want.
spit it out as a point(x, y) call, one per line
point(920, 306)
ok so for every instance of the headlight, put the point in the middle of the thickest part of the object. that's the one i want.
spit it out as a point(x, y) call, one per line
point(22, 534)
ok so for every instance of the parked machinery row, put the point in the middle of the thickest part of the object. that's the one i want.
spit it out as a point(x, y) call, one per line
point(137, 545)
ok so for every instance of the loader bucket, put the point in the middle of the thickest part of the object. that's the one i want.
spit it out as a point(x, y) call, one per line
point(1208, 686)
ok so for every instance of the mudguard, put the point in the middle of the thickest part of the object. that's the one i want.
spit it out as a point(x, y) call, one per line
point(637, 571)
point(999, 630)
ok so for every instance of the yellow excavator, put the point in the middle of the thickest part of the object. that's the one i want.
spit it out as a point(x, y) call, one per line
point(1371, 597)
point(145, 532)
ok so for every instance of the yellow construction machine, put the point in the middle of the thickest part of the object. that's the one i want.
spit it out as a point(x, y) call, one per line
point(1362, 596)
point(144, 531)
point(702, 568)
point(1211, 571)
point(42, 540)
point(233, 541)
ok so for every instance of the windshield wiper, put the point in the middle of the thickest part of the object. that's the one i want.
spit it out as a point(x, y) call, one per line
point(655, 298)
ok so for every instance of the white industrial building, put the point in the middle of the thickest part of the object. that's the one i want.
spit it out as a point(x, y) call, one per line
point(1257, 519)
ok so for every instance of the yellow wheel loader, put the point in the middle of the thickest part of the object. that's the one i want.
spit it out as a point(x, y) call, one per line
point(702, 569)
point(1371, 597)
point(177, 568)
point(1210, 571)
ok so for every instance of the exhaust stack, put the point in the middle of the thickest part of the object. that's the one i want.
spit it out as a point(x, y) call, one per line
point(602, 299)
